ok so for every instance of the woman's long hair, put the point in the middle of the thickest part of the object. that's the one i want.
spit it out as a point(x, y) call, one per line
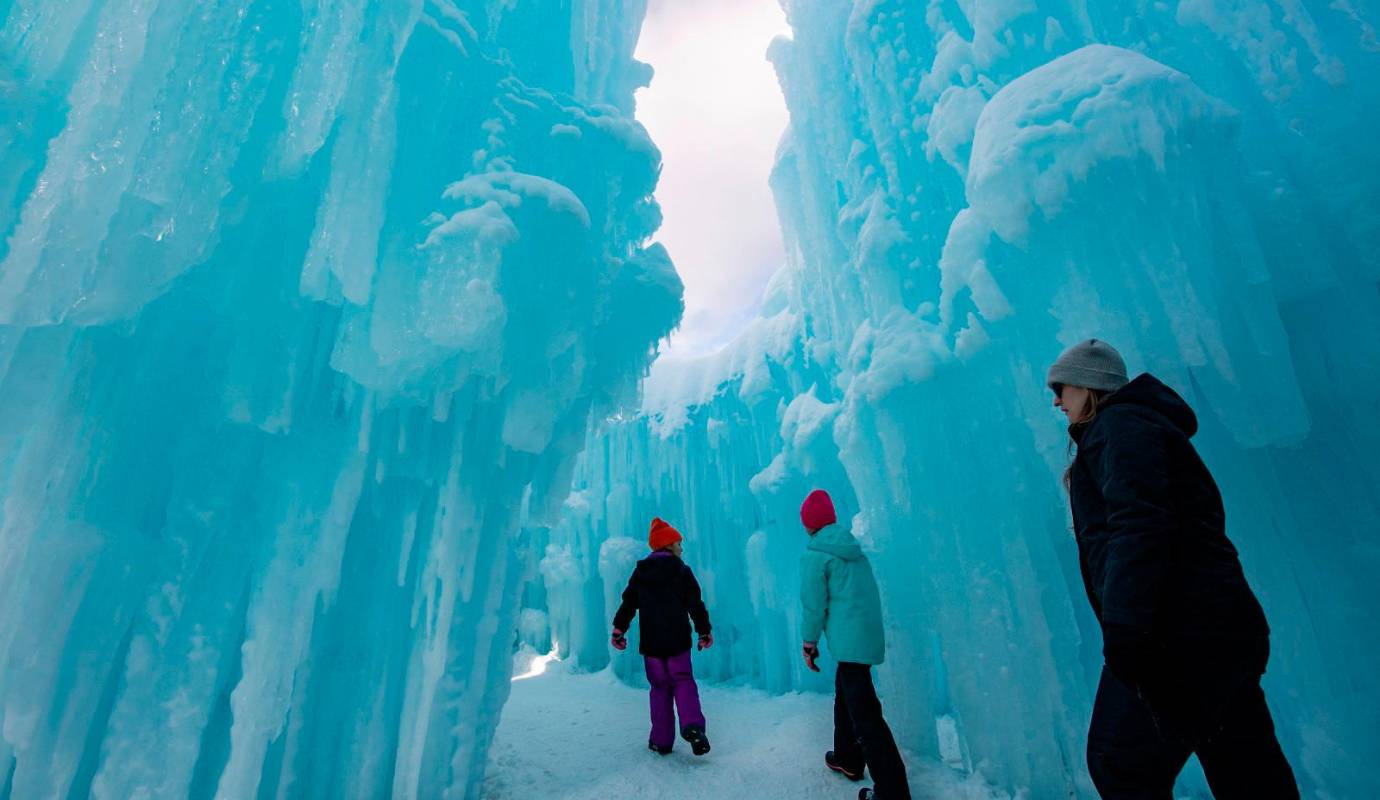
point(1095, 398)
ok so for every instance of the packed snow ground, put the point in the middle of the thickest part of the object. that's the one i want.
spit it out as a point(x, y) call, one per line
point(577, 736)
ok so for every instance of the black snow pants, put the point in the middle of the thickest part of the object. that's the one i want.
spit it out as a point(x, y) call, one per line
point(861, 735)
point(1137, 749)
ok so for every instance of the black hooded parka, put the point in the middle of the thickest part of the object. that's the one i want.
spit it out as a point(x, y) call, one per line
point(1164, 581)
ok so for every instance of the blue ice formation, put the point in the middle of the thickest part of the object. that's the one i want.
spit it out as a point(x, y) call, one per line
point(965, 188)
point(304, 308)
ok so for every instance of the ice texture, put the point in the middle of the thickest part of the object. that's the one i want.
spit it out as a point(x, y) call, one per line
point(308, 309)
point(304, 310)
point(965, 189)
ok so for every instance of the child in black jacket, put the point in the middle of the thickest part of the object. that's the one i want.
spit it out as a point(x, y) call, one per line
point(666, 593)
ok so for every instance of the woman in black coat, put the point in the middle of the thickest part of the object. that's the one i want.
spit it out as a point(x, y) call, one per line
point(1184, 638)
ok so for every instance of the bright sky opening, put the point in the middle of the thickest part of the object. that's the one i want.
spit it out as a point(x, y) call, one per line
point(716, 111)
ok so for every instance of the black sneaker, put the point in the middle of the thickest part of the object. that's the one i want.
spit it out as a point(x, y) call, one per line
point(658, 749)
point(694, 734)
point(847, 772)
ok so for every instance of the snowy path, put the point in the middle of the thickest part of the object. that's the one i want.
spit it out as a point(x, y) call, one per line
point(579, 737)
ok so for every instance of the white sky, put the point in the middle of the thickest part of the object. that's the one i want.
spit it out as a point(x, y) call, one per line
point(716, 111)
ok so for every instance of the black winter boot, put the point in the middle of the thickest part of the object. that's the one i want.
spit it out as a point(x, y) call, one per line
point(658, 749)
point(849, 772)
point(867, 794)
point(694, 734)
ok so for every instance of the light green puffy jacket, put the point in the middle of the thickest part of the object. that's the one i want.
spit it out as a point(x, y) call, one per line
point(839, 595)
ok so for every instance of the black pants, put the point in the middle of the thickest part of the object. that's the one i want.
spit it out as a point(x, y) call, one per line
point(1136, 754)
point(861, 735)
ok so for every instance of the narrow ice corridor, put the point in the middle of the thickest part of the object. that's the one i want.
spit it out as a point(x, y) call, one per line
point(350, 347)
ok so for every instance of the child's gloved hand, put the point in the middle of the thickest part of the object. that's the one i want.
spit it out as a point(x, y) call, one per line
point(618, 640)
point(706, 641)
point(810, 651)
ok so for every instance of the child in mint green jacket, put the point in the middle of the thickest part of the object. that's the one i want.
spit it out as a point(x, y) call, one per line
point(839, 598)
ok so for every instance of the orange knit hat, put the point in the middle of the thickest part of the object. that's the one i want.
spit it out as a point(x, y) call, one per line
point(662, 535)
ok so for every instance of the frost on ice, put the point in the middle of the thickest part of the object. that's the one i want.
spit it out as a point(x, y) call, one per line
point(965, 189)
point(306, 310)
point(302, 307)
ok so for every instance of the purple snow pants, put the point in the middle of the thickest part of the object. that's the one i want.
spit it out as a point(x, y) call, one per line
point(672, 680)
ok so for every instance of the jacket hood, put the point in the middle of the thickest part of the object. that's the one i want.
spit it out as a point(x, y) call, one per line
point(836, 541)
point(1148, 391)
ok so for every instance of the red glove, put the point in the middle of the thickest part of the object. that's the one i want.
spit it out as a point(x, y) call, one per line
point(618, 640)
point(706, 641)
point(810, 651)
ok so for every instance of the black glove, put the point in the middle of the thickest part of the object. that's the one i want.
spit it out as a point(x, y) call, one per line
point(706, 641)
point(810, 651)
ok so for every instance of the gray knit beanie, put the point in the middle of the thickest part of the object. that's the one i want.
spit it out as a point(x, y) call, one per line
point(1093, 364)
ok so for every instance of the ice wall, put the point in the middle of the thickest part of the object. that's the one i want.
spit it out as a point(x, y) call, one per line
point(966, 188)
point(304, 309)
